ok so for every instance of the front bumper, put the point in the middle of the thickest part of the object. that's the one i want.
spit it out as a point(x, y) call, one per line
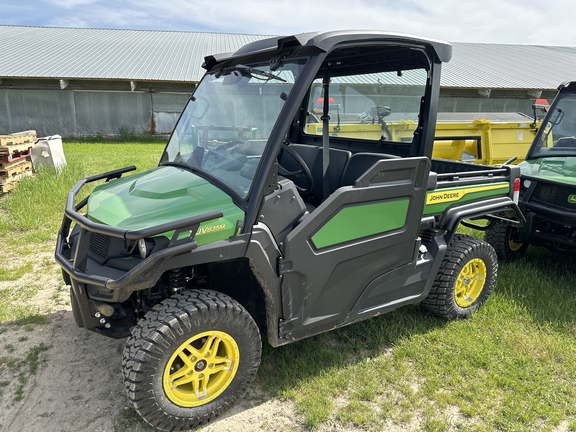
point(550, 216)
point(546, 227)
point(93, 283)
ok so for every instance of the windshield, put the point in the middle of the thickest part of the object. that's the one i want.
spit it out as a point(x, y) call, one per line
point(224, 129)
point(557, 135)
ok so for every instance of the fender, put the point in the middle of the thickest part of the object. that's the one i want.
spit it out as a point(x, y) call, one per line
point(263, 254)
point(450, 219)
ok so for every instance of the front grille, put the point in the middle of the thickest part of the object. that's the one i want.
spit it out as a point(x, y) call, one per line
point(555, 195)
point(99, 244)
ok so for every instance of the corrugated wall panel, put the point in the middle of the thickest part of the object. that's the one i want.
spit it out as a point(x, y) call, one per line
point(112, 112)
point(49, 112)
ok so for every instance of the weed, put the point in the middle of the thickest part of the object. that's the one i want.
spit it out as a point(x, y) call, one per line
point(32, 319)
point(24, 368)
point(2, 385)
point(436, 425)
point(128, 418)
point(33, 357)
point(19, 393)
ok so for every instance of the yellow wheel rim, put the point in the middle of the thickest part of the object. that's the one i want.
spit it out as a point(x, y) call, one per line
point(514, 246)
point(470, 282)
point(201, 368)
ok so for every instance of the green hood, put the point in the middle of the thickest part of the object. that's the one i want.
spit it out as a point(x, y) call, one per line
point(160, 195)
point(559, 169)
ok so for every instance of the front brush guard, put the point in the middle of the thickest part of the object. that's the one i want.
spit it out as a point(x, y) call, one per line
point(73, 258)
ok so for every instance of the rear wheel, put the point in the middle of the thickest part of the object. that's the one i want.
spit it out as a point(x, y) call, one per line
point(503, 237)
point(465, 280)
point(190, 359)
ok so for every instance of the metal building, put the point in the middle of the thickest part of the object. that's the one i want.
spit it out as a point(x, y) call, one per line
point(73, 81)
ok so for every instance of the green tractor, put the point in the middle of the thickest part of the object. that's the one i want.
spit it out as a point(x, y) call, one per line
point(254, 224)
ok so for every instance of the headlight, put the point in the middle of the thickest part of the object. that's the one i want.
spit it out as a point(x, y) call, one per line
point(144, 247)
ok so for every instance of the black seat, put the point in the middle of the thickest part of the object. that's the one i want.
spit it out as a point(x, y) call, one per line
point(359, 163)
point(565, 142)
point(312, 155)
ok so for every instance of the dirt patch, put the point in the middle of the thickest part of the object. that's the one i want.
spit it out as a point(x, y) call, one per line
point(78, 386)
point(58, 377)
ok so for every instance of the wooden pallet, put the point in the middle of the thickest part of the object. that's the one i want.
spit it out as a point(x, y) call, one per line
point(13, 180)
point(7, 187)
point(15, 148)
point(10, 172)
point(14, 161)
point(17, 139)
point(14, 155)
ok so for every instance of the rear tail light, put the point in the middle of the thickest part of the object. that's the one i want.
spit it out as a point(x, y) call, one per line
point(516, 190)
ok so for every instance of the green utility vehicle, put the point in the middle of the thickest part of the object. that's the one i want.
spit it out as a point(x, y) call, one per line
point(251, 225)
point(548, 186)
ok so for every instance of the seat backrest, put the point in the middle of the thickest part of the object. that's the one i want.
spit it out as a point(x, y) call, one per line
point(358, 164)
point(338, 161)
point(312, 155)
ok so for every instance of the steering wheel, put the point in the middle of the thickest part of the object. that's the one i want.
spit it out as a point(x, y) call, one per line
point(387, 134)
point(381, 112)
point(303, 171)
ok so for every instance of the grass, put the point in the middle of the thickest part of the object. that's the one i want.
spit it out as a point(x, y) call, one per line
point(20, 368)
point(129, 419)
point(511, 366)
point(14, 301)
point(47, 191)
point(12, 274)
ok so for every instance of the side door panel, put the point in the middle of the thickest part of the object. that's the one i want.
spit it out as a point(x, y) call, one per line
point(351, 252)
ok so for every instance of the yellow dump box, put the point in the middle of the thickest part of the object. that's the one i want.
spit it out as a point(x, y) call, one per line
point(486, 138)
point(491, 138)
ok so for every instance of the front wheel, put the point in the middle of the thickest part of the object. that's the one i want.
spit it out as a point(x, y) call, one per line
point(465, 279)
point(503, 237)
point(190, 359)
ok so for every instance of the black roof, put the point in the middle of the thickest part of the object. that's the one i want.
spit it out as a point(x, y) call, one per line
point(326, 41)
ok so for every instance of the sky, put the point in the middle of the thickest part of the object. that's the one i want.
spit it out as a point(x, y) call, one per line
point(533, 22)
